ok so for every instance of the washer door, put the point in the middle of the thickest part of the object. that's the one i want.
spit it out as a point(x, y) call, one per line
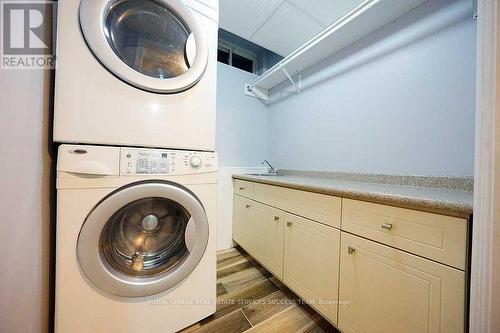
point(155, 45)
point(143, 239)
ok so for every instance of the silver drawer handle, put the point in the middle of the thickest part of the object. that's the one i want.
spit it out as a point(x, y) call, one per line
point(289, 224)
point(241, 188)
point(276, 218)
point(386, 226)
point(351, 250)
point(247, 206)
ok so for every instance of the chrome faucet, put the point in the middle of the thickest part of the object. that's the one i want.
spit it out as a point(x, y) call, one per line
point(272, 170)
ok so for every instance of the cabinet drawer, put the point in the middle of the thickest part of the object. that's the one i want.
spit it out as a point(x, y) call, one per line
point(438, 237)
point(319, 207)
point(243, 188)
point(390, 291)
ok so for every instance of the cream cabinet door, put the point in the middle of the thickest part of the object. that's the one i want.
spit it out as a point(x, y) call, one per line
point(242, 231)
point(312, 263)
point(267, 226)
point(390, 291)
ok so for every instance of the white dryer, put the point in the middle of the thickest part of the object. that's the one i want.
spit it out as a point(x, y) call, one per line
point(137, 73)
point(135, 239)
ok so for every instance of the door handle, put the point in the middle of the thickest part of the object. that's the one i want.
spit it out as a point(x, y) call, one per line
point(276, 218)
point(247, 206)
point(79, 151)
point(242, 188)
point(386, 226)
point(351, 250)
point(289, 224)
point(190, 50)
point(190, 235)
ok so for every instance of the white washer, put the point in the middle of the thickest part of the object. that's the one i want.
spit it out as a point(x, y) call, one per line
point(137, 73)
point(135, 239)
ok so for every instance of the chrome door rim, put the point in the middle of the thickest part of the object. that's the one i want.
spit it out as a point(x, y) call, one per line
point(102, 275)
point(92, 15)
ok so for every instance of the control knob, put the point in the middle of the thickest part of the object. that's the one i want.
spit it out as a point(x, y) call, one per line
point(195, 161)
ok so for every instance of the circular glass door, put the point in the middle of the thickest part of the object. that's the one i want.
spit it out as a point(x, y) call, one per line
point(148, 37)
point(146, 237)
point(156, 45)
point(143, 239)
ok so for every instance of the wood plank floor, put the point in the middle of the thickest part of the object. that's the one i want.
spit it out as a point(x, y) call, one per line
point(250, 299)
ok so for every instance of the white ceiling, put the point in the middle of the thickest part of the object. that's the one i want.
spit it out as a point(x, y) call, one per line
point(281, 25)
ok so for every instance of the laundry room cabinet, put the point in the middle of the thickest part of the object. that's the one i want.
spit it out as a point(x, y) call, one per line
point(390, 291)
point(312, 263)
point(258, 229)
point(302, 253)
point(384, 269)
point(267, 224)
point(242, 233)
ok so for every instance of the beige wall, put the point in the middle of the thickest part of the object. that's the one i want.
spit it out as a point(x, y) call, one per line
point(485, 270)
point(495, 310)
point(495, 297)
point(25, 223)
point(25, 198)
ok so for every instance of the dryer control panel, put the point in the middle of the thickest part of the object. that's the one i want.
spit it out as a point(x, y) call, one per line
point(139, 161)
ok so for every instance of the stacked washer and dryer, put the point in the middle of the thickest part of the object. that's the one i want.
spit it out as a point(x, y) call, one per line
point(135, 104)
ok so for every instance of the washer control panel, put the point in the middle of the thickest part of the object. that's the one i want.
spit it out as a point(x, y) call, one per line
point(139, 161)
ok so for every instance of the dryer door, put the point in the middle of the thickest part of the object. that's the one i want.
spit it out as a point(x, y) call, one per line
point(143, 239)
point(155, 45)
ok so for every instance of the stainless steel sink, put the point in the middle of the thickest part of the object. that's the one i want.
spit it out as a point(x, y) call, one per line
point(263, 174)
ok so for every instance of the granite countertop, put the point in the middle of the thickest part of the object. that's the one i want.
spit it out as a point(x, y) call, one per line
point(454, 199)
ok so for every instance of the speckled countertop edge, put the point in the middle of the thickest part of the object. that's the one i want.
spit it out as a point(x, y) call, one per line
point(444, 201)
point(462, 183)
